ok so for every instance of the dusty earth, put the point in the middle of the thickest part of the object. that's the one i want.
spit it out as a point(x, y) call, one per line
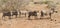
point(22, 22)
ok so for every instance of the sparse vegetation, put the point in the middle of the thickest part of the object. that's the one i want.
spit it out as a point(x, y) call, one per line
point(13, 4)
point(21, 4)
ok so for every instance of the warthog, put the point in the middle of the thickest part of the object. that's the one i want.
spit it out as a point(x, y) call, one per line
point(34, 13)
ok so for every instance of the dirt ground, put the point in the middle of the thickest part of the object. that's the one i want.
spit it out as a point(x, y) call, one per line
point(22, 22)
